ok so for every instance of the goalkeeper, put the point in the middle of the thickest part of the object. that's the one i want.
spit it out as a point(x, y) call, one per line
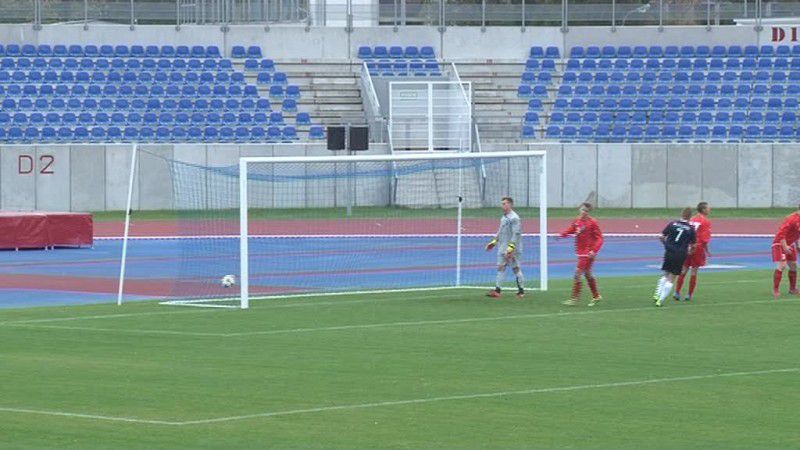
point(509, 248)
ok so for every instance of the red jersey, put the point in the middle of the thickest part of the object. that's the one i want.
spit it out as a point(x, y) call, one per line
point(702, 227)
point(789, 230)
point(588, 236)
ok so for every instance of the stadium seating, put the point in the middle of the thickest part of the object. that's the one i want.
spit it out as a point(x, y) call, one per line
point(73, 93)
point(534, 82)
point(669, 94)
point(395, 61)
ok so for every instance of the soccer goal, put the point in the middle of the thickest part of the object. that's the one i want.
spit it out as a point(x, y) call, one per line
point(278, 227)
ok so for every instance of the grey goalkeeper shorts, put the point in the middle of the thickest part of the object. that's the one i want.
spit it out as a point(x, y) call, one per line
point(513, 261)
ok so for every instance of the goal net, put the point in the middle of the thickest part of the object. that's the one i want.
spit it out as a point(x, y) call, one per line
point(274, 227)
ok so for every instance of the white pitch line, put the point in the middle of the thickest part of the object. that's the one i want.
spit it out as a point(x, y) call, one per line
point(383, 324)
point(305, 304)
point(87, 416)
point(487, 395)
point(415, 401)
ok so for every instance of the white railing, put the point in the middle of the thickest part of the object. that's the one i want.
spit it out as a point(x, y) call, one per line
point(375, 119)
point(429, 116)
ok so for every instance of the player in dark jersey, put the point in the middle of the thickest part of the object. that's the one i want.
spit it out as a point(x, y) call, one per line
point(678, 238)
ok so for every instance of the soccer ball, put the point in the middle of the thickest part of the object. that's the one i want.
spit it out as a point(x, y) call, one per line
point(228, 281)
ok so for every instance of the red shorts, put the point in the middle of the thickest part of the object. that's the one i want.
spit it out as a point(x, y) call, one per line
point(779, 255)
point(585, 263)
point(696, 259)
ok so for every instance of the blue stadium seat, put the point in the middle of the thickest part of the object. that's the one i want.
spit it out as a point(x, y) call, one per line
point(316, 132)
point(427, 52)
point(577, 52)
point(552, 52)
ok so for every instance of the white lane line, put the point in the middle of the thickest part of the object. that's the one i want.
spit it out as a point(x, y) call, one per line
point(312, 304)
point(292, 412)
point(383, 324)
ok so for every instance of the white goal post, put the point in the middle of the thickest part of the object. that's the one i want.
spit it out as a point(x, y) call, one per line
point(475, 160)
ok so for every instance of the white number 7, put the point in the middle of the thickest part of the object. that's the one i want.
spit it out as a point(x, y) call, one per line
point(678, 237)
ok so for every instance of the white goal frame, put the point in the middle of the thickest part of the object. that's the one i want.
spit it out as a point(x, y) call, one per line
point(244, 251)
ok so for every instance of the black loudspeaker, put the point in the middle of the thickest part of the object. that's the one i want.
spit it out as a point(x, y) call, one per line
point(336, 138)
point(359, 138)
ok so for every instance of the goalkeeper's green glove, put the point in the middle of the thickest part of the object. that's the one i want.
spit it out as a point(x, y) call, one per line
point(510, 249)
point(491, 244)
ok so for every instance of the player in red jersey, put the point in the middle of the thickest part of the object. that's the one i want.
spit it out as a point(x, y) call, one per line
point(702, 226)
point(588, 242)
point(784, 252)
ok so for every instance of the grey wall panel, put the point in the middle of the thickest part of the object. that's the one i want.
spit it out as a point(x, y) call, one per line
point(651, 35)
point(684, 175)
point(649, 179)
point(465, 43)
point(155, 177)
point(259, 190)
point(580, 172)
point(755, 175)
point(18, 189)
point(372, 36)
point(318, 43)
point(53, 178)
point(290, 194)
point(118, 167)
point(786, 185)
point(720, 175)
point(555, 166)
point(223, 185)
point(190, 180)
point(320, 192)
point(87, 178)
point(614, 176)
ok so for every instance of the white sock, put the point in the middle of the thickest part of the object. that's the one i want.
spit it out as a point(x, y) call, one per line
point(666, 290)
point(659, 287)
point(498, 283)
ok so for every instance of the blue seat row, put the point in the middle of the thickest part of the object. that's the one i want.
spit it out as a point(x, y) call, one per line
point(671, 117)
point(263, 65)
point(677, 77)
point(396, 52)
point(116, 64)
point(139, 90)
point(671, 133)
point(239, 52)
point(541, 52)
point(149, 134)
point(136, 104)
point(683, 64)
point(147, 118)
point(673, 51)
point(644, 92)
point(537, 64)
point(136, 51)
point(123, 77)
point(674, 103)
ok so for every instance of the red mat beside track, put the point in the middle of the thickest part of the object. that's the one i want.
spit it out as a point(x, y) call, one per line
point(20, 230)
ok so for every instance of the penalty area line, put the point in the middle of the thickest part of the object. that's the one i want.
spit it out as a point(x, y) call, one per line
point(415, 401)
point(466, 320)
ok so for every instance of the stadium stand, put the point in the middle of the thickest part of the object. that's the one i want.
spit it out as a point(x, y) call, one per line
point(395, 61)
point(145, 94)
point(670, 94)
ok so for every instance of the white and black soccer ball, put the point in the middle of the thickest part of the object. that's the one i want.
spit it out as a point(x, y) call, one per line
point(228, 281)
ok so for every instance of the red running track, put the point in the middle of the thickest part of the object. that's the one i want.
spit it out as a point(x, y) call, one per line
point(156, 228)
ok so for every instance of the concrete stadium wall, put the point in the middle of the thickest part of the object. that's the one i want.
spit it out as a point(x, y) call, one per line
point(95, 177)
point(334, 43)
point(670, 175)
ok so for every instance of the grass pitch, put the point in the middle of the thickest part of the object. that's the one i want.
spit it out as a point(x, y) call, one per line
point(447, 369)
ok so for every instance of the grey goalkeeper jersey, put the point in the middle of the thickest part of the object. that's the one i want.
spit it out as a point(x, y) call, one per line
point(510, 231)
